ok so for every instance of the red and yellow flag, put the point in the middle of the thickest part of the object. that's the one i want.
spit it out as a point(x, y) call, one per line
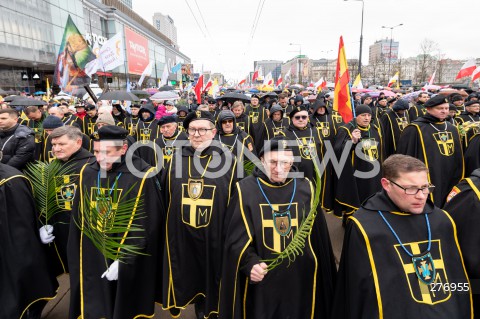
point(341, 101)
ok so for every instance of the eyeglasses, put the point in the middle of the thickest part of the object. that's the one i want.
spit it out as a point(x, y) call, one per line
point(415, 190)
point(298, 117)
point(227, 121)
point(200, 131)
point(283, 164)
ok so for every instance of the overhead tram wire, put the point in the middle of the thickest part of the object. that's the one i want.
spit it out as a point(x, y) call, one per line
point(195, 18)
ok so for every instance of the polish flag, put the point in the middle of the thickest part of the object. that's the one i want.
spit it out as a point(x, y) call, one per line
point(199, 88)
point(255, 76)
point(430, 81)
point(208, 86)
point(476, 74)
point(467, 69)
point(279, 81)
point(242, 82)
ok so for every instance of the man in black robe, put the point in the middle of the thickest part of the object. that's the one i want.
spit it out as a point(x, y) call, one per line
point(25, 276)
point(119, 114)
point(90, 119)
point(197, 186)
point(323, 121)
point(437, 143)
point(231, 136)
point(257, 114)
point(147, 132)
point(273, 126)
point(472, 155)
point(392, 123)
point(400, 253)
point(468, 122)
point(101, 287)
point(182, 113)
point(170, 139)
point(67, 149)
point(131, 121)
point(68, 117)
point(418, 109)
point(264, 215)
point(242, 119)
point(35, 122)
point(463, 204)
point(363, 143)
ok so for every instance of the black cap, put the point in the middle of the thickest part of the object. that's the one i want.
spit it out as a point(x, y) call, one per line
point(89, 107)
point(52, 122)
point(297, 109)
point(137, 105)
point(401, 105)
point(362, 109)
point(255, 95)
point(469, 103)
point(275, 144)
point(112, 132)
point(198, 115)
point(167, 119)
point(79, 105)
point(452, 107)
point(382, 98)
point(456, 97)
point(436, 100)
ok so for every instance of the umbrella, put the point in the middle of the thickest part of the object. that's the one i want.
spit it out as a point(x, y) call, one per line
point(25, 101)
point(165, 95)
point(296, 87)
point(151, 91)
point(388, 93)
point(232, 97)
point(39, 93)
point(10, 98)
point(166, 88)
point(254, 90)
point(140, 93)
point(118, 95)
point(312, 98)
point(270, 94)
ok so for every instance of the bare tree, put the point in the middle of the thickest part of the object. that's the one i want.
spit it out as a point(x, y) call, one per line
point(426, 60)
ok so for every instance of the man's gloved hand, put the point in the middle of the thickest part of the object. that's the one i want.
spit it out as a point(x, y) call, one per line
point(112, 271)
point(46, 234)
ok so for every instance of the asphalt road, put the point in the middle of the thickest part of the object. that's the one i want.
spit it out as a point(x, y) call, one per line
point(58, 307)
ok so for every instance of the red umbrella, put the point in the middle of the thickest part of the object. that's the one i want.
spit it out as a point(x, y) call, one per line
point(388, 93)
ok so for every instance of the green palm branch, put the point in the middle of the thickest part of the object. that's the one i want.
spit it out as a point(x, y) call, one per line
point(111, 224)
point(296, 246)
point(43, 177)
point(248, 166)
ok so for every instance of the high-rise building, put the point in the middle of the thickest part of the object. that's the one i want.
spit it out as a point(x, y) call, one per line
point(166, 25)
point(383, 50)
point(268, 66)
point(128, 3)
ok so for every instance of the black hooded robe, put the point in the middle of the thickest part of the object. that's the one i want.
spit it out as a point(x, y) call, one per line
point(196, 209)
point(472, 155)
point(146, 133)
point(438, 145)
point(351, 191)
point(168, 145)
point(133, 294)
point(25, 275)
point(376, 278)
point(392, 125)
point(303, 289)
point(463, 204)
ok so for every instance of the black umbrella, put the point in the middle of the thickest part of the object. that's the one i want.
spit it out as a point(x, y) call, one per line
point(166, 88)
point(118, 95)
point(10, 98)
point(140, 93)
point(25, 101)
point(232, 97)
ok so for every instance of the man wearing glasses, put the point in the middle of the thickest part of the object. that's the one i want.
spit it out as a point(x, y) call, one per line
point(197, 185)
point(400, 255)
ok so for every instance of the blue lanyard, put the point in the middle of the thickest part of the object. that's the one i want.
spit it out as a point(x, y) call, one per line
point(265, 196)
point(398, 238)
point(113, 186)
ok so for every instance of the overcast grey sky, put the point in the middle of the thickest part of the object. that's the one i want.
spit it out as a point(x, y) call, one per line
point(222, 40)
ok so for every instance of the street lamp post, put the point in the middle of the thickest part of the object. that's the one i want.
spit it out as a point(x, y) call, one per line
point(391, 38)
point(298, 61)
point(361, 40)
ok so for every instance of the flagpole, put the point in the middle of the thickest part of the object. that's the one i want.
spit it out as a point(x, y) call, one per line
point(352, 101)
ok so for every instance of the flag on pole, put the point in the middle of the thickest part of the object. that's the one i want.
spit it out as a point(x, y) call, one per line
point(214, 89)
point(73, 56)
point(341, 101)
point(242, 82)
point(288, 74)
point(177, 68)
point(358, 82)
point(208, 86)
point(48, 90)
point(199, 89)
point(430, 81)
point(255, 76)
point(164, 80)
point(320, 84)
point(467, 69)
point(393, 79)
point(146, 72)
point(279, 80)
point(268, 80)
point(476, 74)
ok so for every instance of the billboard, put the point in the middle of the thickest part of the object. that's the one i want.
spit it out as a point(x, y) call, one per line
point(187, 70)
point(137, 52)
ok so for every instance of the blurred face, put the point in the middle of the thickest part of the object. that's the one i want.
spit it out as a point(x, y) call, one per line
point(35, 116)
point(63, 147)
point(92, 113)
point(283, 102)
point(168, 129)
point(358, 97)
point(458, 103)
point(227, 126)
point(277, 116)
point(382, 103)
point(107, 153)
point(452, 113)
point(7, 121)
point(168, 107)
point(300, 119)
point(48, 131)
point(145, 115)
point(197, 140)
point(80, 109)
point(211, 106)
point(407, 203)
point(364, 119)
point(367, 100)
point(64, 109)
point(474, 108)
point(56, 111)
point(440, 111)
point(277, 165)
point(115, 111)
point(134, 111)
point(422, 98)
point(237, 111)
point(100, 125)
point(254, 101)
point(321, 110)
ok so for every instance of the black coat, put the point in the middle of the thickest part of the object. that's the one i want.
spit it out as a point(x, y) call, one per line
point(17, 146)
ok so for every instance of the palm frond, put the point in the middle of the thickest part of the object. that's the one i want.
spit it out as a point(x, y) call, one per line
point(43, 177)
point(296, 246)
point(111, 224)
point(248, 166)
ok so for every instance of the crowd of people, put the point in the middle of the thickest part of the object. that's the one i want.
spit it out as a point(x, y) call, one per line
point(194, 202)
